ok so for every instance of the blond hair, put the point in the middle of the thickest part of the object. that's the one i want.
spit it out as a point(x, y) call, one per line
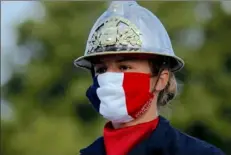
point(169, 92)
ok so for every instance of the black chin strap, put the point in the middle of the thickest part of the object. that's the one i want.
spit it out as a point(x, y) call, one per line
point(158, 77)
point(92, 72)
point(162, 67)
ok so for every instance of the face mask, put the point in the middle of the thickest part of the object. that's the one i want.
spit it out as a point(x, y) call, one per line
point(120, 97)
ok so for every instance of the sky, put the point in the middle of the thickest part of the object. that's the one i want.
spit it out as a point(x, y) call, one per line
point(13, 13)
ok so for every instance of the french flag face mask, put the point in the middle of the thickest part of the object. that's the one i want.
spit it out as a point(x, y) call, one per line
point(120, 97)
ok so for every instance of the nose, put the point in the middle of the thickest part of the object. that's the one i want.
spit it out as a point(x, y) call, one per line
point(112, 67)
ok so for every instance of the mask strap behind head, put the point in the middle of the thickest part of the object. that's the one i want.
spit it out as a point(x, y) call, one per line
point(162, 67)
point(92, 72)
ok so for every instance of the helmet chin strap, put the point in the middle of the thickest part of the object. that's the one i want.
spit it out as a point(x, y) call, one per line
point(92, 72)
point(158, 76)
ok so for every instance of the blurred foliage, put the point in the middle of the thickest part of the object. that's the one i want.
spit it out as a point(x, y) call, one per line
point(53, 116)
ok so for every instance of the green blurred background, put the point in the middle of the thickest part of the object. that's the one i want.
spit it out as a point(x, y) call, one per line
point(52, 116)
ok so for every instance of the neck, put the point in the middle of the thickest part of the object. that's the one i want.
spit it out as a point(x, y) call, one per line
point(149, 115)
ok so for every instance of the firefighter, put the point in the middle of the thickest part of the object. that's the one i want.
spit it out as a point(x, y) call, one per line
point(132, 62)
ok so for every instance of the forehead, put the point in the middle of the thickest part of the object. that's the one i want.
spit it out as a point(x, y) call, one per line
point(115, 58)
point(119, 58)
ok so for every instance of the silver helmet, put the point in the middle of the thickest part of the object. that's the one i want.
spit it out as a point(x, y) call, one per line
point(128, 28)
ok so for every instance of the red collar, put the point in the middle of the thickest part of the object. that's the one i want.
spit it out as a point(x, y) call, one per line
point(121, 141)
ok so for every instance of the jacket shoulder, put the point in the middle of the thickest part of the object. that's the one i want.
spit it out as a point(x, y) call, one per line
point(187, 144)
point(96, 146)
point(168, 140)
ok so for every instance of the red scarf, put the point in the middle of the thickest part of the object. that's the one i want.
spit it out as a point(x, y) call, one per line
point(121, 141)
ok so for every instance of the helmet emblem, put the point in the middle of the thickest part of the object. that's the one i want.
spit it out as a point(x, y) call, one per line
point(115, 32)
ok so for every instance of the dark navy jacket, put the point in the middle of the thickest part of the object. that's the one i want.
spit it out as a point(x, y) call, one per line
point(165, 140)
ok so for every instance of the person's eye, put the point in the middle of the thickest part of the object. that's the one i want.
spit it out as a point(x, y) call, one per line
point(124, 67)
point(101, 70)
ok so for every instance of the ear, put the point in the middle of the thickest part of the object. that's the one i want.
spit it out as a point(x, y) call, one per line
point(162, 81)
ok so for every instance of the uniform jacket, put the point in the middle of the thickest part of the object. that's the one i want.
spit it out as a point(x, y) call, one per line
point(165, 140)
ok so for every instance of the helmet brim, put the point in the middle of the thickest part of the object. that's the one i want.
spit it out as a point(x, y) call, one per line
point(176, 63)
